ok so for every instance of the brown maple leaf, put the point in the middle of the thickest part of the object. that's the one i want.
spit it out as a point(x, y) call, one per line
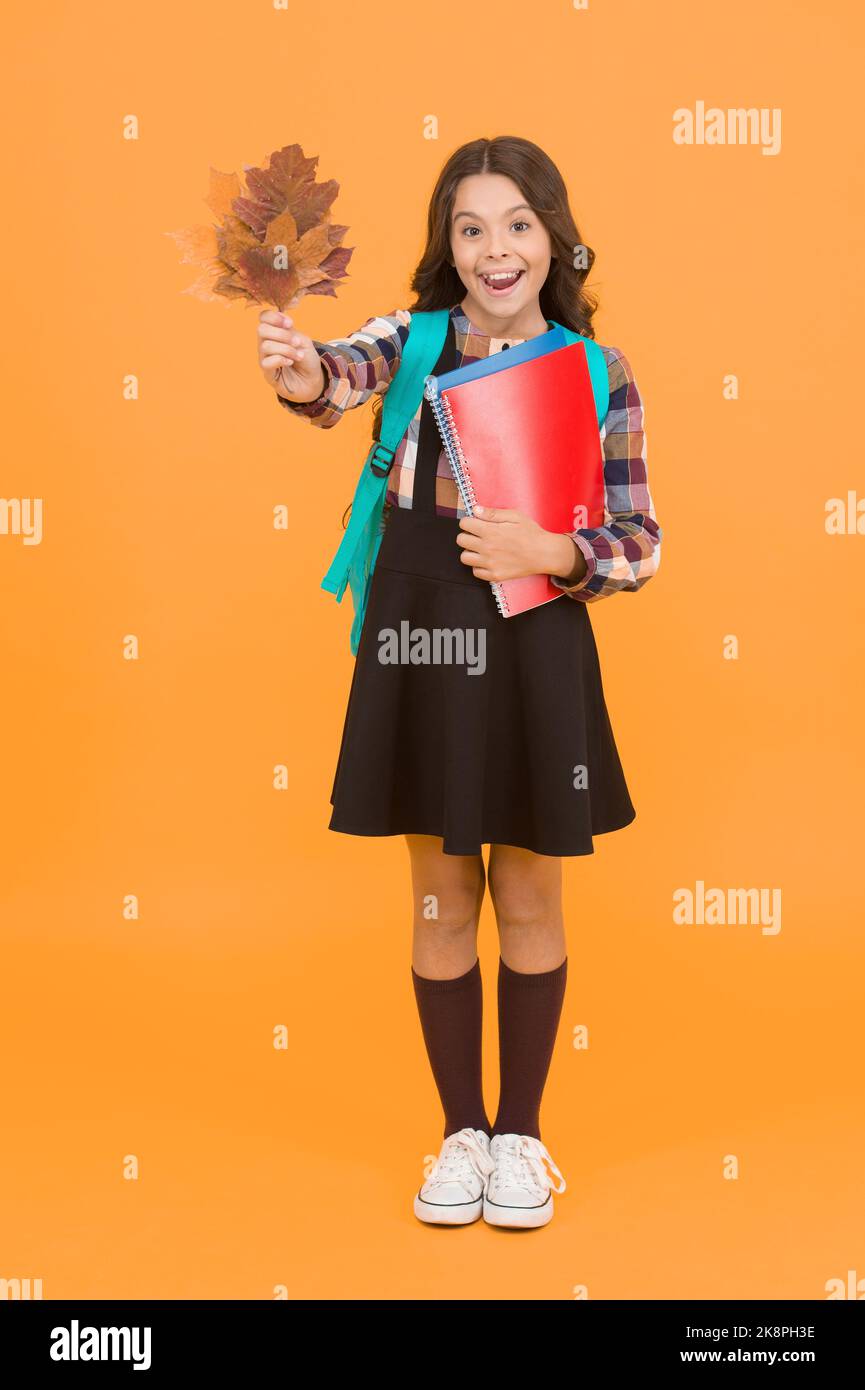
point(273, 241)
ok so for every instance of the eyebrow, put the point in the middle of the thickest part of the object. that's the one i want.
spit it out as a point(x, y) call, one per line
point(478, 217)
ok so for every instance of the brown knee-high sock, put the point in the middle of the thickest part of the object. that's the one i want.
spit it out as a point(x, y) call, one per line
point(451, 1013)
point(530, 1007)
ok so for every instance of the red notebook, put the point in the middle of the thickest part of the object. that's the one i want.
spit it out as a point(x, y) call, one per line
point(527, 437)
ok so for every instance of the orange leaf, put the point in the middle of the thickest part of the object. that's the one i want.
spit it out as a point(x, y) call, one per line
point(281, 230)
point(233, 238)
point(313, 246)
point(198, 244)
point(203, 287)
point(224, 188)
point(311, 275)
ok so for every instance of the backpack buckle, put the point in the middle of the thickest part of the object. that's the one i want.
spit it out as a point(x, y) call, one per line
point(380, 465)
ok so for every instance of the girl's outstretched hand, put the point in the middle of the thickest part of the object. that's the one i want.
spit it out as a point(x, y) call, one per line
point(288, 358)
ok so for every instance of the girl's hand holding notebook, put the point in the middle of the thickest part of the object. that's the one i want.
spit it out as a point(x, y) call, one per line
point(502, 543)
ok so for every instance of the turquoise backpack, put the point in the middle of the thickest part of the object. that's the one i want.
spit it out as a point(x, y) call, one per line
point(354, 561)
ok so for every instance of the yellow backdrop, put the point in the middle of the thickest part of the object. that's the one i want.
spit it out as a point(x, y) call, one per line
point(157, 1143)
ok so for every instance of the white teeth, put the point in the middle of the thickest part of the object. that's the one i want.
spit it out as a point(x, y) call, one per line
point(502, 275)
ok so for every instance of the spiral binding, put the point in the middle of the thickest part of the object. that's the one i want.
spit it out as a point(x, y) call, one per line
point(441, 409)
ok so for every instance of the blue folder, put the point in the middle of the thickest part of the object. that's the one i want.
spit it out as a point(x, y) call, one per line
point(497, 361)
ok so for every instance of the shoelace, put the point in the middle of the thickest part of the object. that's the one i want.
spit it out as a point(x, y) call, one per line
point(462, 1154)
point(520, 1162)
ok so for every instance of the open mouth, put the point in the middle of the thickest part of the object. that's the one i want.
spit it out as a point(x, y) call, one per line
point(501, 282)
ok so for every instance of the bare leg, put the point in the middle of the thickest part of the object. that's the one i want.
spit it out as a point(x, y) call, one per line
point(526, 890)
point(448, 891)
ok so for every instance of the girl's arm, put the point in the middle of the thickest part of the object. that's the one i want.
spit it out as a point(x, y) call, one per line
point(625, 552)
point(354, 368)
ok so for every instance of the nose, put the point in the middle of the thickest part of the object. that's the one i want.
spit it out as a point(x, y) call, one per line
point(498, 245)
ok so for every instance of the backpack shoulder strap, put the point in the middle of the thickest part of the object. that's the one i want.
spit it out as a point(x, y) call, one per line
point(598, 371)
point(421, 350)
point(358, 548)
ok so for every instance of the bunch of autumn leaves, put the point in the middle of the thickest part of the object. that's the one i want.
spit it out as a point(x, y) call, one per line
point(274, 241)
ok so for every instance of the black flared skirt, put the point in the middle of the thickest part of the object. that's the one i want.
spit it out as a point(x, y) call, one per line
point(467, 725)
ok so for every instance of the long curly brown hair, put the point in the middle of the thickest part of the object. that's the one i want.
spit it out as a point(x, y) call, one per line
point(563, 297)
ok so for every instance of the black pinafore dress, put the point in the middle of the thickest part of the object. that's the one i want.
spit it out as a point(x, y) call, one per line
point(497, 731)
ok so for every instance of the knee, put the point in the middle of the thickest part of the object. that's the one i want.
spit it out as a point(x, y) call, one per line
point(450, 915)
point(522, 905)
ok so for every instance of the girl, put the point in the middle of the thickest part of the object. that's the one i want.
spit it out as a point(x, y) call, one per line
point(454, 757)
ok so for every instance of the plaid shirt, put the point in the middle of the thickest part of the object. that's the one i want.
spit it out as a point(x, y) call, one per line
point(620, 555)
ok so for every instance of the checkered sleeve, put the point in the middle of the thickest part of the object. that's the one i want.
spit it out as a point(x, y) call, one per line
point(355, 368)
point(625, 552)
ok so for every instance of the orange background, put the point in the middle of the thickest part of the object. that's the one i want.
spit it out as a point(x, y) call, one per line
point(261, 1168)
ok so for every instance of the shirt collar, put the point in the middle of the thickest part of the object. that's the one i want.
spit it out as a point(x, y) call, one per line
point(464, 323)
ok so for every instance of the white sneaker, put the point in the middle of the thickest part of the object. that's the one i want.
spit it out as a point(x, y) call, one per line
point(453, 1194)
point(518, 1192)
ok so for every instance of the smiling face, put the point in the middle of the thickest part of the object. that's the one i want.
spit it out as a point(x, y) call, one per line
point(502, 251)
